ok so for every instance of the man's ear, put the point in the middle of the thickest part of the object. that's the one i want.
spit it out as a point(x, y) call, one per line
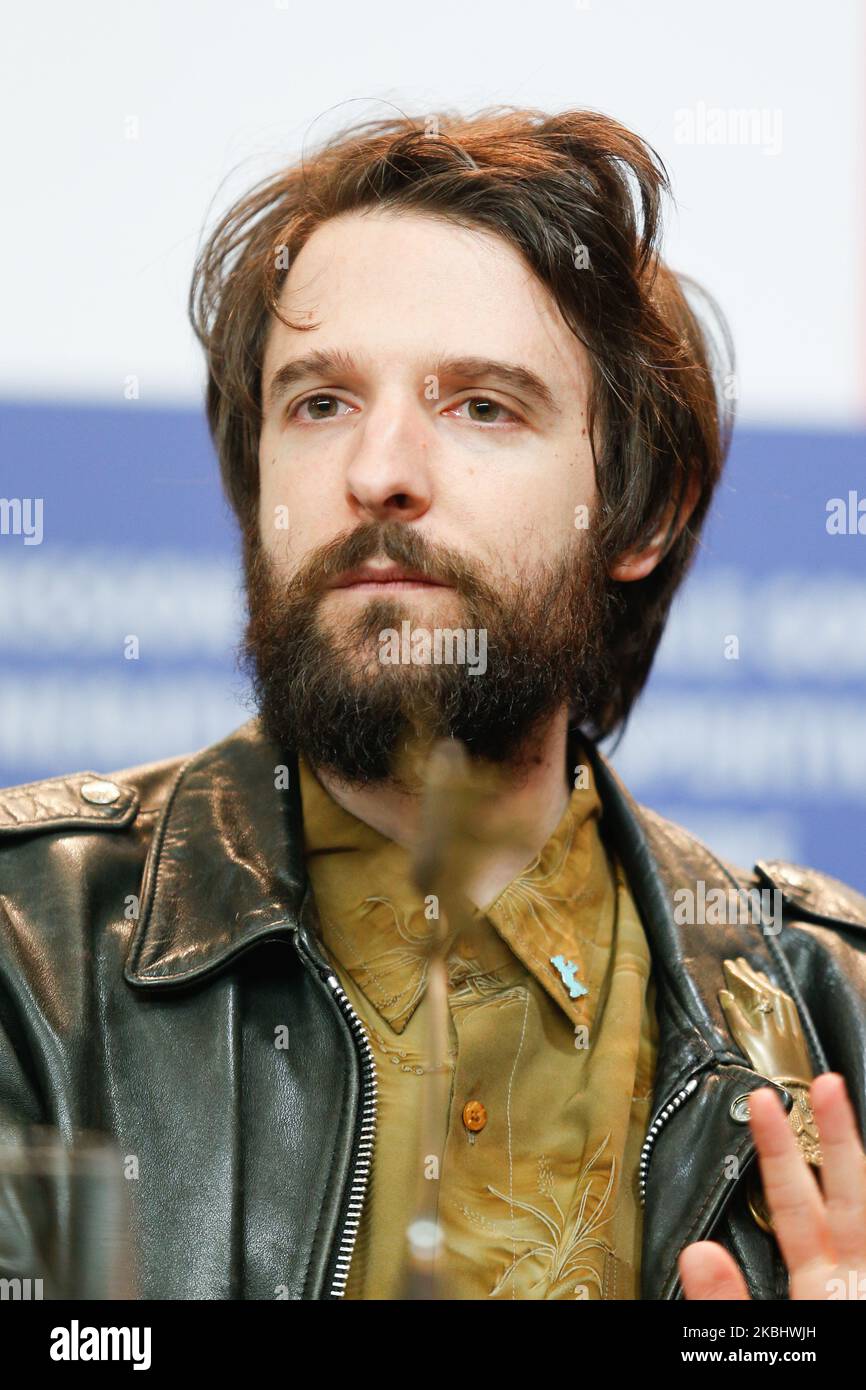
point(637, 564)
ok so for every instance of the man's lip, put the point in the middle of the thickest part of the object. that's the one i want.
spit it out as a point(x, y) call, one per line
point(394, 574)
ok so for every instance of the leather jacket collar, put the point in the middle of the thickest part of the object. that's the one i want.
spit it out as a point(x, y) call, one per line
point(199, 911)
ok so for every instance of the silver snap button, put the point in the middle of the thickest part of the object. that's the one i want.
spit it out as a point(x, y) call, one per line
point(740, 1109)
point(100, 793)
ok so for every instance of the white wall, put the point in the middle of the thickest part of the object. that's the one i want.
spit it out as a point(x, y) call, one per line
point(100, 230)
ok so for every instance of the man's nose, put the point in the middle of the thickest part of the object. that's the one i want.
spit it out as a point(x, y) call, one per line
point(389, 475)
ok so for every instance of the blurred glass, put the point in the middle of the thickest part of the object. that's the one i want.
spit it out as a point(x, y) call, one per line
point(65, 1218)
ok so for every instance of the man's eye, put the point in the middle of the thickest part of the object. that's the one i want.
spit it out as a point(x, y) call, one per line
point(485, 411)
point(320, 406)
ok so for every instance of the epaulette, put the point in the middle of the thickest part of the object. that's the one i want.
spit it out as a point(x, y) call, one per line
point(83, 800)
point(815, 894)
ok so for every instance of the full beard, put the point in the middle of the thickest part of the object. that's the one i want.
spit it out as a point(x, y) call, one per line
point(320, 687)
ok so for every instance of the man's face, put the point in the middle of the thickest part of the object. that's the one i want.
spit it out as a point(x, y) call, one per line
point(413, 451)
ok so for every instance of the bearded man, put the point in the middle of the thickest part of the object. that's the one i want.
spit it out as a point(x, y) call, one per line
point(548, 1078)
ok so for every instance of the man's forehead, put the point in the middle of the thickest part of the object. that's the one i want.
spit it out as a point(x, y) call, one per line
point(483, 325)
point(418, 264)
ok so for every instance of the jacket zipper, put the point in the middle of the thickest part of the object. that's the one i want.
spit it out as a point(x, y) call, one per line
point(363, 1155)
point(654, 1131)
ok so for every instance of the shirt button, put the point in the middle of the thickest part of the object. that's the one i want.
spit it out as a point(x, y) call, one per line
point(474, 1116)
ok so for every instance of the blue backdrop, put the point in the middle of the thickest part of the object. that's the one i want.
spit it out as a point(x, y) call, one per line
point(118, 626)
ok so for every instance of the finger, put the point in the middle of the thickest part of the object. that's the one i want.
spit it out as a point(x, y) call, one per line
point(708, 1271)
point(756, 978)
point(791, 1015)
point(736, 1018)
point(843, 1173)
point(758, 993)
point(739, 973)
point(792, 1193)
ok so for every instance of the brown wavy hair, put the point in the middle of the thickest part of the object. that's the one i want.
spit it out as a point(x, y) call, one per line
point(659, 415)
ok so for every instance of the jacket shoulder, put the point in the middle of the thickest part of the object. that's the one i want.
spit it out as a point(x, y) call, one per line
point(64, 879)
point(814, 893)
point(88, 801)
point(808, 893)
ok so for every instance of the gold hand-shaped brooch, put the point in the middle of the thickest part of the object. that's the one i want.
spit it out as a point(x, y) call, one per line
point(766, 1026)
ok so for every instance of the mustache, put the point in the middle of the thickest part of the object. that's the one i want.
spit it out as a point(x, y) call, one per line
point(397, 541)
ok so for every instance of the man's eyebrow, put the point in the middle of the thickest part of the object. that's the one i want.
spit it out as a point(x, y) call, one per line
point(509, 373)
point(322, 362)
point(327, 362)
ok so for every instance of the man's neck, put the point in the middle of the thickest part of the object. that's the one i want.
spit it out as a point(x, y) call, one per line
point(533, 795)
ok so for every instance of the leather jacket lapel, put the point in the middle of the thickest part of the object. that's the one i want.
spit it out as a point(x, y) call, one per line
point(226, 863)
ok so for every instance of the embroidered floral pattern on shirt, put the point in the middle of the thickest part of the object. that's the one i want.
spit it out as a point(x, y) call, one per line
point(560, 1242)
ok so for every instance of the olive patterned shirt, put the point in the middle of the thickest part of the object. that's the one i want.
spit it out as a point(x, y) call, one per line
point(550, 1087)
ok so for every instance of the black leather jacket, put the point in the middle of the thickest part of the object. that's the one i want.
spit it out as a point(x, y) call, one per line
point(156, 933)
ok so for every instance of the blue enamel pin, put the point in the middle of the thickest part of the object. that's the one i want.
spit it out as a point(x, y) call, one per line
point(568, 970)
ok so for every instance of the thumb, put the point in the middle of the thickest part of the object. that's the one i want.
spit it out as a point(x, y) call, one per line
point(708, 1271)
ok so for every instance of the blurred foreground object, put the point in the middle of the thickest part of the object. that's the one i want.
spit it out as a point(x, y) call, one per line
point(65, 1218)
point(458, 831)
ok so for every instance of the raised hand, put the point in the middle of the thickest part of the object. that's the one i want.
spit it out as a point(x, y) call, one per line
point(821, 1229)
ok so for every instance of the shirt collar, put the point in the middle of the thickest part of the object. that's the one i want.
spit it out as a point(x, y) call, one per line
point(373, 919)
